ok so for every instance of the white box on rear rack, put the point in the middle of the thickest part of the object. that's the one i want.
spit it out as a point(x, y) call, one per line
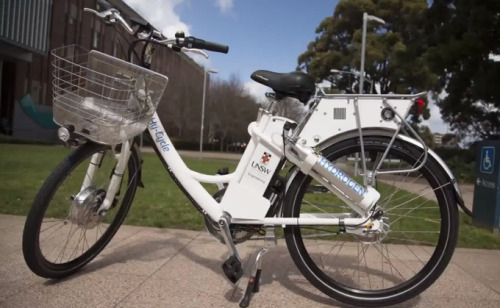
point(336, 114)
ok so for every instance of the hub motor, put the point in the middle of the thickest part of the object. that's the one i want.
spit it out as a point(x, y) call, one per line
point(84, 207)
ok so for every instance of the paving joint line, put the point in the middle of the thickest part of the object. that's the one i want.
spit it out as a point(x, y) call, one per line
point(149, 276)
point(470, 274)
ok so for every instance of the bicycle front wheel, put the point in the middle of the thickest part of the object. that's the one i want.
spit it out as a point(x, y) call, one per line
point(63, 231)
point(394, 263)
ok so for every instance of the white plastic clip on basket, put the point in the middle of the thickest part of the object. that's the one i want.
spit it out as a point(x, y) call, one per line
point(106, 99)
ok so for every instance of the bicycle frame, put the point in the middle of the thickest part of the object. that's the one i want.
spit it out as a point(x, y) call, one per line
point(270, 143)
point(243, 199)
point(243, 203)
point(191, 180)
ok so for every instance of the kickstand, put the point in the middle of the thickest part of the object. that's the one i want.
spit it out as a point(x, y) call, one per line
point(254, 280)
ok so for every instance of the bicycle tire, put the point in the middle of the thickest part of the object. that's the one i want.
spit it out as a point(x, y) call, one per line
point(370, 290)
point(47, 203)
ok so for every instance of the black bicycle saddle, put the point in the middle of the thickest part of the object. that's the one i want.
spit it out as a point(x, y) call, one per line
point(294, 84)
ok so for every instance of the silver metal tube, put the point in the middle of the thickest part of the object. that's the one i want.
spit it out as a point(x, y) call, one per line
point(203, 110)
point(359, 198)
point(116, 179)
point(412, 131)
point(358, 124)
point(363, 48)
point(294, 221)
point(95, 163)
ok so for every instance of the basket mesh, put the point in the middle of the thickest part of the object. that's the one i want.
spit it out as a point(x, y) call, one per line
point(106, 99)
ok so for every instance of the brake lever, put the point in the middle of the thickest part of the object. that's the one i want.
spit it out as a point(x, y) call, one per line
point(194, 50)
point(111, 16)
point(107, 15)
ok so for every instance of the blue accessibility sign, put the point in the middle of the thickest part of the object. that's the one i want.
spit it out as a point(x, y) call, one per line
point(487, 160)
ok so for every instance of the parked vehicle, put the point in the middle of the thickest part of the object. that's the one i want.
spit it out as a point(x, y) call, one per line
point(372, 233)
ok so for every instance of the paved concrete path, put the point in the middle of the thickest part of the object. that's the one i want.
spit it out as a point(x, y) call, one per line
point(150, 267)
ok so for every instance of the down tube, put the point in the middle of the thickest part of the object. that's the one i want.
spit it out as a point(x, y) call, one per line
point(192, 188)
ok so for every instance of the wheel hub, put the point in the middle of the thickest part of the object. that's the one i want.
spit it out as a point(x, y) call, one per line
point(84, 207)
point(373, 231)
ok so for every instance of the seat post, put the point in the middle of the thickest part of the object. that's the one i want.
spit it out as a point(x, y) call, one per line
point(271, 97)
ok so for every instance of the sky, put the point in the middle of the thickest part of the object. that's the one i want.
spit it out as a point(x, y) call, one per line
point(261, 34)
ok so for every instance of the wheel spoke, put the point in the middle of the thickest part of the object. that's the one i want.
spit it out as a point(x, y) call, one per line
point(67, 232)
point(52, 234)
point(70, 234)
point(401, 182)
point(415, 198)
point(391, 257)
point(413, 241)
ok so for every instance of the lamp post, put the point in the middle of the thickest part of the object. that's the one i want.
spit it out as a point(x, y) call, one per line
point(366, 18)
point(205, 73)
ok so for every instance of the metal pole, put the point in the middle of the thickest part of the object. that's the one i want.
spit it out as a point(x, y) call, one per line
point(361, 81)
point(203, 109)
point(363, 47)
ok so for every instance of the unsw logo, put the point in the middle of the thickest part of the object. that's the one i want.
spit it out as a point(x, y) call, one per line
point(261, 167)
point(266, 157)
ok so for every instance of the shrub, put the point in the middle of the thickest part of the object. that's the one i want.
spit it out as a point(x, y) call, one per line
point(460, 161)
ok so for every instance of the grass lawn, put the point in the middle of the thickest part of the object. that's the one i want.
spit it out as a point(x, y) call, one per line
point(418, 215)
point(160, 204)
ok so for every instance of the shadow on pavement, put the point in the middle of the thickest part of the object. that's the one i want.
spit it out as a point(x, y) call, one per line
point(277, 265)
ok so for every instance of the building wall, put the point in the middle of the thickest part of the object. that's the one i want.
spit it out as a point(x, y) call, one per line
point(70, 25)
point(181, 102)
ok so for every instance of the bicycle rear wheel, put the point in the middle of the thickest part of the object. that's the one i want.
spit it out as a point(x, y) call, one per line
point(397, 262)
point(63, 232)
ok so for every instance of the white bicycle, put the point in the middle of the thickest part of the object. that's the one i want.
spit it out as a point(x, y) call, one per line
point(369, 213)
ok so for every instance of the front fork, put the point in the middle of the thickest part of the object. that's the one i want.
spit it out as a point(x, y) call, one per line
point(116, 178)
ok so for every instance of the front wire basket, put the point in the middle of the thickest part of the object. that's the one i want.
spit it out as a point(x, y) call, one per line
point(105, 99)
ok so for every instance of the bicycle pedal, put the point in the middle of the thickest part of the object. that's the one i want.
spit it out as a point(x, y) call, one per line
point(232, 269)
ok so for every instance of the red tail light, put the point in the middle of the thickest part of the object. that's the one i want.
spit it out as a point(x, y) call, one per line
point(421, 104)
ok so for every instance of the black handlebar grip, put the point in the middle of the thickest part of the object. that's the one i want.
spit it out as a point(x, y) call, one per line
point(192, 42)
point(216, 47)
point(105, 5)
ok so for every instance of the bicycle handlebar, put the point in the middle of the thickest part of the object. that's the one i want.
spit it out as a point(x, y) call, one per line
point(111, 15)
point(193, 42)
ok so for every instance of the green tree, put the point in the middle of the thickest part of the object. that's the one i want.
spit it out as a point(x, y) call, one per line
point(427, 136)
point(394, 51)
point(462, 36)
